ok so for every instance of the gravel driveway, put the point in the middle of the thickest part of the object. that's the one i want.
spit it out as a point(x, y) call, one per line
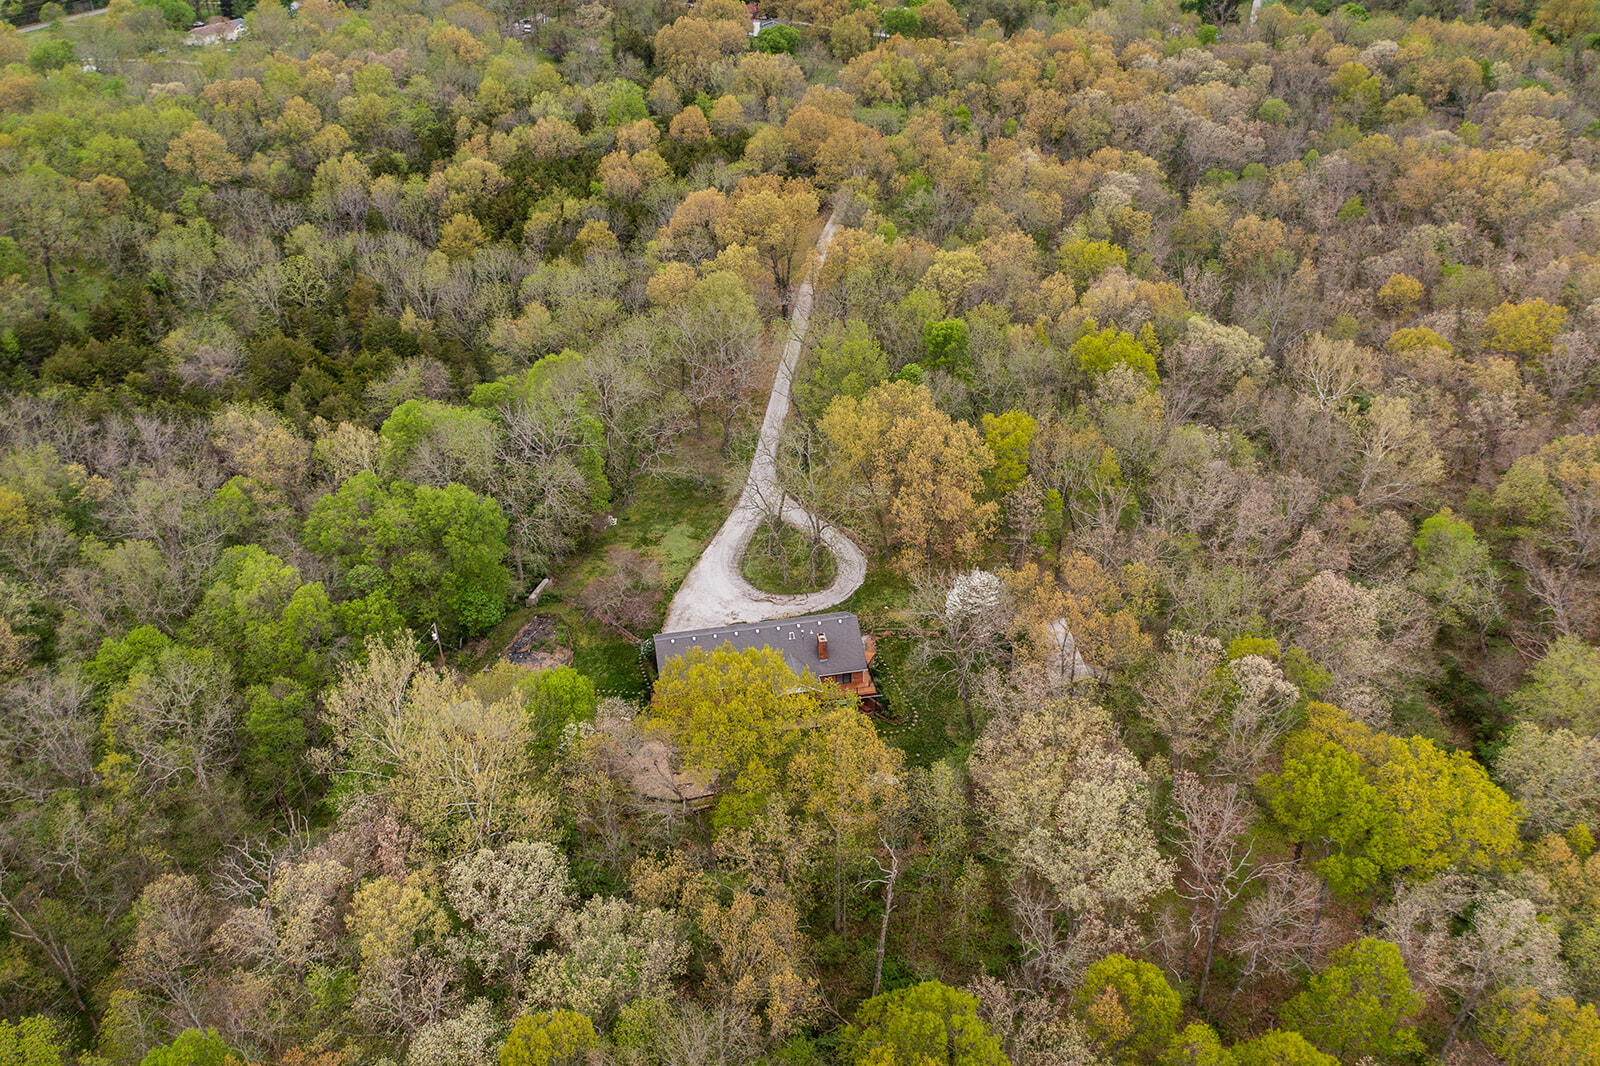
point(715, 592)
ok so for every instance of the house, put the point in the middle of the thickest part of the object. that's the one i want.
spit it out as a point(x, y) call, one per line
point(829, 646)
point(216, 32)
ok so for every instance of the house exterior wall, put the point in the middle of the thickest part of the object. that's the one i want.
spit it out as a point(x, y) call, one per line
point(860, 683)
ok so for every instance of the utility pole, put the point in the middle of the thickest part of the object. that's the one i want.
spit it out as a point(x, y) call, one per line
point(437, 643)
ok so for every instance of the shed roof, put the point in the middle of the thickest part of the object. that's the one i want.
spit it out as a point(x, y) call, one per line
point(794, 638)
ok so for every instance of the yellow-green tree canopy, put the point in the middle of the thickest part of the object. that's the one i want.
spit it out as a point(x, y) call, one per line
point(1128, 1007)
point(1563, 688)
point(1280, 1047)
point(1009, 436)
point(1359, 1004)
point(1097, 353)
point(33, 1041)
point(733, 714)
point(930, 1024)
point(1197, 1045)
point(1524, 1029)
point(1382, 806)
point(549, 1038)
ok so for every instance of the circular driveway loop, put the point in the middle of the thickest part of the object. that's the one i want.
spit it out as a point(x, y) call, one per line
point(715, 592)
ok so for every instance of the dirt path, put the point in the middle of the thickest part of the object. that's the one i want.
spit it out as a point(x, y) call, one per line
point(715, 592)
point(67, 18)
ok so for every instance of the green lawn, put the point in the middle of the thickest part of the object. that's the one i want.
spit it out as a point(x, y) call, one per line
point(881, 601)
point(668, 520)
point(602, 655)
point(786, 571)
point(939, 728)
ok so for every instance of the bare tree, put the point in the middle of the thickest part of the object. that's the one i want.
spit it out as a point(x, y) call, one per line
point(169, 950)
point(1270, 939)
point(538, 479)
point(629, 598)
point(1214, 820)
point(1457, 939)
point(969, 616)
point(888, 876)
point(1181, 695)
point(639, 417)
point(178, 723)
point(1032, 1029)
point(803, 484)
point(50, 728)
point(1057, 944)
point(1262, 712)
point(21, 907)
point(245, 870)
point(715, 333)
point(1024, 513)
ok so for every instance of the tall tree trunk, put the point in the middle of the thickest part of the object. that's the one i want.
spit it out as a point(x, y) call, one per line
point(838, 885)
point(1467, 1003)
point(49, 272)
point(883, 928)
point(705, 835)
point(1316, 921)
point(1211, 952)
point(1233, 993)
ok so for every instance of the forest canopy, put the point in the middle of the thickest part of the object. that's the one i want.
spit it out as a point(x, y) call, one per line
point(1212, 390)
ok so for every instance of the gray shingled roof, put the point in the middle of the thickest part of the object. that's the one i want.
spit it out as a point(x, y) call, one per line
point(794, 638)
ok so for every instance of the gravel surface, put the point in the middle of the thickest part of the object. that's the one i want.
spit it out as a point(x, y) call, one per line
point(68, 18)
point(715, 592)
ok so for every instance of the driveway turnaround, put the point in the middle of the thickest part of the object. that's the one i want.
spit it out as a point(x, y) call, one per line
point(715, 592)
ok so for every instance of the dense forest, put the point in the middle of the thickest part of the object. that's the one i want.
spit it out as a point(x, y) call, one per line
point(1259, 351)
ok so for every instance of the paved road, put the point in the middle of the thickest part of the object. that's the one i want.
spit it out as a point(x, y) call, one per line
point(715, 592)
point(69, 18)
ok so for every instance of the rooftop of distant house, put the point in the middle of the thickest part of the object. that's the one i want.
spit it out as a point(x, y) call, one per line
point(224, 30)
point(826, 644)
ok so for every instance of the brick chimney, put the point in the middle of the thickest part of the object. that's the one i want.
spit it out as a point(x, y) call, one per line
point(822, 646)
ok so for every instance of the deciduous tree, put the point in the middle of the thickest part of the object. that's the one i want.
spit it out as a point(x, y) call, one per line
point(774, 218)
point(1551, 774)
point(901, 465)
point(1359, 1005)
point(437, 553)
point(549, 1038)
point(733, 715)
point(1069, 803)
point(926, 1023)
point(609, 953)
point(1280, 1047)
point(851, 780)
point(1219, 865)
point(1128, 1008)
point(1454, 570)
point(715, 332)
point(1376, 806)
point(510, 899)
